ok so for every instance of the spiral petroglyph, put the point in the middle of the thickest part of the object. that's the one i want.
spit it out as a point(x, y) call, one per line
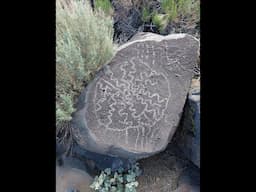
point(133, 106)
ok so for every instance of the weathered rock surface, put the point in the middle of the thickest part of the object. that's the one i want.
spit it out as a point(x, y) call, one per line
point(97, 162)
point(70, 179)
point(133, 106)
point(168, 171)
point(188, 134)
point(189, 180)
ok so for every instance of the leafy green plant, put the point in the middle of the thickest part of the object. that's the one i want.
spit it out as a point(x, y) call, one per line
point(160, 21)
point(83, 43)
point(118, 181)
point(104, 5)
point(169, 7)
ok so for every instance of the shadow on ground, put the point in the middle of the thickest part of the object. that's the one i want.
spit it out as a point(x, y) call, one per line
point(168, 171)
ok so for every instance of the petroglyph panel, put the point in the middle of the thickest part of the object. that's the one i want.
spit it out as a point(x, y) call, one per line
point(133, 105)
point(132, 100)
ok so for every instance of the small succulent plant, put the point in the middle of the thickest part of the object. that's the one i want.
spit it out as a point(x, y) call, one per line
point(118, 181)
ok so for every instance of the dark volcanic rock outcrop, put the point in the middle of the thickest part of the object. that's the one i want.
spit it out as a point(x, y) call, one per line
point(132, 107)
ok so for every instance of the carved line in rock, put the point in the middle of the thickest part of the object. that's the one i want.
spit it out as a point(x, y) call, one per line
point(141, 99)
point(125, 88)
point(173, 64)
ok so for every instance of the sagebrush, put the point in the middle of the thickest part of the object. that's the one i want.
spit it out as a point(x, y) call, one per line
point(84, 41)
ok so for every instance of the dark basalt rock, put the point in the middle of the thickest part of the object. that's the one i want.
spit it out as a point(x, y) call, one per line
point(96, 162)
point(188, 135)
point(132, 107)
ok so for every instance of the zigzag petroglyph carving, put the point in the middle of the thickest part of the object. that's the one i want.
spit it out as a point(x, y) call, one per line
point(132, 107)
point(128, 101)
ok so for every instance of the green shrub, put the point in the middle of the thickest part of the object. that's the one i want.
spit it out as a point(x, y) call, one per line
point(160, 21)
point(169, 7)
point(176, 8)
point(119, 181)
point(194, 9)
point(145, 14)
point(170, 11)
point(104, 5)
point(83, 43)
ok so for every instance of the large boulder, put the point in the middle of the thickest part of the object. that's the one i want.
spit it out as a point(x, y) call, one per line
point(133, 105)
point(188, 135)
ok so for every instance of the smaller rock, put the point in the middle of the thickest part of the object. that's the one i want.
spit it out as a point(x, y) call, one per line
point(72, 175)
point(189, 180)
point(72, 180)
point(188, 134)
point(187, 188)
